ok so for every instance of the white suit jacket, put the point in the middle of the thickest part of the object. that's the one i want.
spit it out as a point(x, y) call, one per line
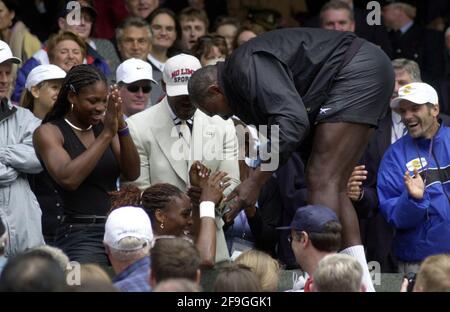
point(162, 159)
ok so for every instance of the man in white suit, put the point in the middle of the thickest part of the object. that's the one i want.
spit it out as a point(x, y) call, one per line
point(173, 134)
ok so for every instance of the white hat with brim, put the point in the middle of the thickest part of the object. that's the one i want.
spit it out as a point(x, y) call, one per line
point(6, 54)
point(416, 92)
point(43, 73)
point(127, 222)
point(133, 70)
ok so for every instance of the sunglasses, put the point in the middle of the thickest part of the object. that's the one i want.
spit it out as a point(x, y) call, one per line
point(133, 88)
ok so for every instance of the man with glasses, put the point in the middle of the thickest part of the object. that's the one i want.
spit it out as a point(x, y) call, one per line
point(315, 233)
point(135, 81)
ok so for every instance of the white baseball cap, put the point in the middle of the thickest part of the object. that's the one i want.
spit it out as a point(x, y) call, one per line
point(416, 92)
point(133, 70)
point(6, 54)
point(127, 222)
point(177, 72)
point(43, 73)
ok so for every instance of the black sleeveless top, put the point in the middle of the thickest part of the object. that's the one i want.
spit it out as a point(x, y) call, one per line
point(91, 197)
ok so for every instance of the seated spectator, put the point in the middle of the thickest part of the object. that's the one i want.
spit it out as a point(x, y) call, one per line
point(194, 24)
point(133, 37)
point(41, 90)
point(227, 27)
point(434, 274)
point(338, 273)
point(32, 272)
point(174, 257)
point(264, 266)
point(177, 285)
point(172, 213)
point(64, 49)
point(93, 279)
point(19, 208)
point(344, 16)
point(128, 234)
point(236, 278)
point(23, 44)
point(210, 49)
point(247, 32)
point(141, 8)
point(412, 41)
point(57, 254)
point(101, 50)
point(165, 31)
point(414, 202)
point(135, 79)
point(315, 233)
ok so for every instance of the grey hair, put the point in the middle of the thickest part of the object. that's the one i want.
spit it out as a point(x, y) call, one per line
point(199, 83)
point(56, 253)
point(130, 248)
point(132, 22)
point(411, 67)
point(338, 273)
point(336, 5)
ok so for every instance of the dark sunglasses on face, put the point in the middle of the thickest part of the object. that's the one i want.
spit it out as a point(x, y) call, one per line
point(133, 88)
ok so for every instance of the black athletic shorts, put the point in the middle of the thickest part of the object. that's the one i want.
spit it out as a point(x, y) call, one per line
point(361, 90)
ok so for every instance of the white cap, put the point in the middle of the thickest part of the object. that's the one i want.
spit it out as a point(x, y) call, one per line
point(416, 92)
point(133, 70)
point(43, 73)
point(127, 222)
point(177, 72)
point(6, 54)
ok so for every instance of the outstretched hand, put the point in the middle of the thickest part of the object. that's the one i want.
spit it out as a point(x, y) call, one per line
point(244, 195)
point(354, 184)
point(199, 174)
point(415, 185)
point(215, 185)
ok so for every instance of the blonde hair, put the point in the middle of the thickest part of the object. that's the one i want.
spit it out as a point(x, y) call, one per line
point(434, 274)
point(264, 266)
point(338, 273)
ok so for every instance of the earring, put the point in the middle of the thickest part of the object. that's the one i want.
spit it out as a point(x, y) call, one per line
point(71, 106)
point(161, 225)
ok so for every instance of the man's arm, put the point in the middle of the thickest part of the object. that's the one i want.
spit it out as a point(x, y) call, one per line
point(22, 156)
point(7, 175)
point(143, 181)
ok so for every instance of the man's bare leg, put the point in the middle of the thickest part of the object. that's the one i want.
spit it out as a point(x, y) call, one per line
point(336, 149)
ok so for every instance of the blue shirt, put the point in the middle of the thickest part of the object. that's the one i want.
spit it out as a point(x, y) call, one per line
point(135, 277)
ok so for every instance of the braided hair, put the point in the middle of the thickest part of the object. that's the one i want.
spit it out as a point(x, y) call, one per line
point(77, 78)
point(158, 196)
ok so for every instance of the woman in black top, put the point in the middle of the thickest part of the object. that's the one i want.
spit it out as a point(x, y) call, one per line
point(85, 145)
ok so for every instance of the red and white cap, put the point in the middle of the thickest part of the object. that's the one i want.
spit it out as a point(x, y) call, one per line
point(177, 72)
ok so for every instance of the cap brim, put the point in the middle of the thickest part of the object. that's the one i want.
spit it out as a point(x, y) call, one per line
point(395, 102)
point(13, 59)
point(131, 80)
point(177, 90)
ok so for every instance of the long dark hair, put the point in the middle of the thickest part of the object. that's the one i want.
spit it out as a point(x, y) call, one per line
point(77, 78)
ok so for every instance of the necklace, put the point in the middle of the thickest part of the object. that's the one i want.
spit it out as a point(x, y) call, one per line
point(77, 128)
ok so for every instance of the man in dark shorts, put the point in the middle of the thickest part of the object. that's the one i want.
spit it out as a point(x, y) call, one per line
point(302, 79)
